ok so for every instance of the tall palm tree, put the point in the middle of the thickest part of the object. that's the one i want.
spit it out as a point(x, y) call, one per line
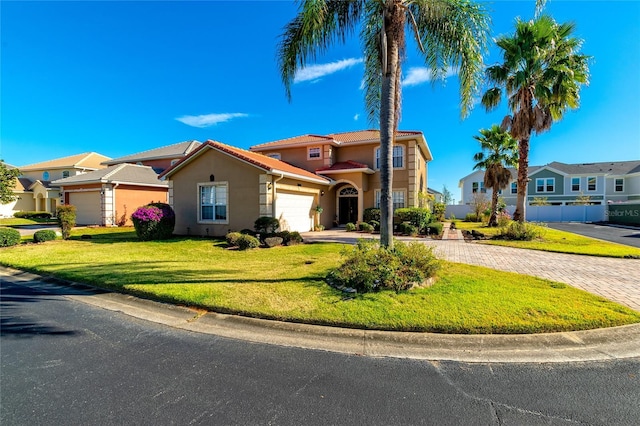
point(542, 75)
point(499, 151)
point(449, 33)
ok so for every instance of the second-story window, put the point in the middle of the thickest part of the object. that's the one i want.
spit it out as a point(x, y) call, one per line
point(619, 185)
point(478, 187)
point(591, 183)
point(514, 187)
point(545, 185)
point(398, 157)
point(314, 153)
point(275, 155)
point(575, 184)
point(65, 173)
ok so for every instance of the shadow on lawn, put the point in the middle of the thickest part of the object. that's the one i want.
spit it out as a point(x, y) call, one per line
point(117, 275)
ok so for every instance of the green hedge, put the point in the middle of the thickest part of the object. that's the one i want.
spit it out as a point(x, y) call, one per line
point(44, 235)
point(32, 215)
point(9, 237)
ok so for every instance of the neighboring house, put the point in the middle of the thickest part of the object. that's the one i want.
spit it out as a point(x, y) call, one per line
point(567, 184)
point(352, 161)
point(34, 186)
point(108, 197)
point(218, 188)
point(437, 196)
point(159, 159)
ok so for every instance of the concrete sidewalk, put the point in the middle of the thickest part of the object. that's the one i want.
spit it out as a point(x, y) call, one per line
point(612, 278)
point(591, 345)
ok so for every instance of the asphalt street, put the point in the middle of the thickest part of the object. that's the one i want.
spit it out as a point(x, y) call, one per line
point(68, 362)
point(629, 236)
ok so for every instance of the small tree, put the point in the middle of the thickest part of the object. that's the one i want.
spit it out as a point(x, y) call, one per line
point(8, 178)
point(539, 201)
point(479, 203)
point(66, 219)
point(583, 200)
point(447, 196)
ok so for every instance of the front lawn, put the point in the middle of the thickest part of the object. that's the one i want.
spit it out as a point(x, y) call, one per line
point(556, 241)
point(286, 283)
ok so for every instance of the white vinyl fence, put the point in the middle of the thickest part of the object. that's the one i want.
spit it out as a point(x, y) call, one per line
point(544, 213)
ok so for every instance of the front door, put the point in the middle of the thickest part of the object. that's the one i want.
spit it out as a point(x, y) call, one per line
point(348, 210)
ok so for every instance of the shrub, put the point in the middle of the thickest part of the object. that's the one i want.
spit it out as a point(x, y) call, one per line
point(406, 228)
point(520, 231)
point(365, 227)
point(472, 217)
point(292, 238)
point(273, 241)
point(350, 227)
point(434, 228)
point(439, 210)
point(32, 215)
point(416, 216)
point(164, 229)
point(66, 219)
point(266, 224)
point(44, 235)
point(245, 242)
point(9, 237)
point(372, 213)
point(154, 221)
point(232, 238)
point(503, 218)
point(375, 224)
point(370, 267)
point(248, 232)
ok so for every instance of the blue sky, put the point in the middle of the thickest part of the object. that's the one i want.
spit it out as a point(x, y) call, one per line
point(122, 77)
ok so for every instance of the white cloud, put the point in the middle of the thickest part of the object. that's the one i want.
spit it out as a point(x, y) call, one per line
point(355, 117)
point(208, 120)
point(314, 72)
point(420, 75)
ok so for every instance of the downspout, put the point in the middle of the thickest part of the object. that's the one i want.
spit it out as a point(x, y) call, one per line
point(273, 195)
point(114, 221)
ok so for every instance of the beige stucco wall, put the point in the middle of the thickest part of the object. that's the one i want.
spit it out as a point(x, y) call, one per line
point(243, 193)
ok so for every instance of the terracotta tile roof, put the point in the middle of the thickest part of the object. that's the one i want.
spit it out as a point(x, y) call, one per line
point(177, 150)
point(297, 140)
point(333, 138)
point(258, 160)
point(123, 173)
point(344, 166)
point(366, 135)
point(87, 160)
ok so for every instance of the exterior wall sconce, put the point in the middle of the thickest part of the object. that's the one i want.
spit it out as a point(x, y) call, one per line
point(322, 193)
point(269, 186)
point(212, 178)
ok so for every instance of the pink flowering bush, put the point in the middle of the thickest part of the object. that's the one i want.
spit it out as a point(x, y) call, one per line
point(155, 221)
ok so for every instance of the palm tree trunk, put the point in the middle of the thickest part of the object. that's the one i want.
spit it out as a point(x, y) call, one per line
point(388, 104)
point(493, 220)
point(523, 179)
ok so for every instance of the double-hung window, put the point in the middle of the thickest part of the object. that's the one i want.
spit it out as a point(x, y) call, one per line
point(618, 185)
point(397, 198)
point(398, 157)
point(591, 183)
point(545, 184)
point(478, 187)
point(314, 153)
point(514, 187)
point(213, 202)
point(575, 184)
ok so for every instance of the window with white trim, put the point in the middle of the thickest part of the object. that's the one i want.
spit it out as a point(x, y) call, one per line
point(212, 202)
point(398, 157)
point(397, 198)
point(65, 174)
point(478, 187)
point(618, 185)
point(591, 183)
point(575, 184)
point(514, 187)
point(545, 184)
point(314, 153)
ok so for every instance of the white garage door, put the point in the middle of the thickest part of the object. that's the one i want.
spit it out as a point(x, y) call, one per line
point(88, 208)
point(294, 211)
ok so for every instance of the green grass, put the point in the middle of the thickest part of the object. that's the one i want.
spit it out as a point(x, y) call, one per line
point(286, 283)
point(14, 221)
point(557, 241)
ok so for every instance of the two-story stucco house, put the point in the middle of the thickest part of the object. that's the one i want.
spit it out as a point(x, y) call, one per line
point(567, 184)
point(303, 181)
point(35, 188)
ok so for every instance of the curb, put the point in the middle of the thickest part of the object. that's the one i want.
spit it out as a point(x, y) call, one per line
point(589, 345)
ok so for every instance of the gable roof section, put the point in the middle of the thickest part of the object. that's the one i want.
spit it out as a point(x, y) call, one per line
point(340, 139)
point(120, 173)
point(176, 151)
point(86, 161)
point(261, 161)
point(617, 168)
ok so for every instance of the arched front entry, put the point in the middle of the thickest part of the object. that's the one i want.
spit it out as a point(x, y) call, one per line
point(347, 205)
